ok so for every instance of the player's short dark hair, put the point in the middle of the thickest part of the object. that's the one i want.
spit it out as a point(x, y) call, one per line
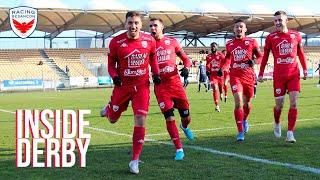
point(239, 20)
point(279, 13)
point(213, 43)
point(132, 14)
point(156, 19)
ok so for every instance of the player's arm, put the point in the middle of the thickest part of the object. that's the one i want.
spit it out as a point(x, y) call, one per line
point(265, 57)
point(113, 64)
point(302, 58)
point(257, 53)
point(208, 66)
point(154, 63)
point(225, 63)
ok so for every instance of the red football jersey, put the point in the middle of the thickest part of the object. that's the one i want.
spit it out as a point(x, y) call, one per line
point(285, 48)
point(166, 50)
point(214, 62)
point(130, 58)
point(239, 51)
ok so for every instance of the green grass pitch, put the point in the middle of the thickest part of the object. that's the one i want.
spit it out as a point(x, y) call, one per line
point(209, 156)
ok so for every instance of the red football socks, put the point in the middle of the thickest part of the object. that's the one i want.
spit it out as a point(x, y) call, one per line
point(137, 141)
point(238, 114)
point(174, 133)
point(292, 117)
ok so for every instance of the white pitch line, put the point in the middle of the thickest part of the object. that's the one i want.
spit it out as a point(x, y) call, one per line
point(223, 128)
point(213, 151)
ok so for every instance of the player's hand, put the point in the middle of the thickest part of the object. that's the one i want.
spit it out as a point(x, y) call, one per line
point(184, 72)
point(117, 81)
point(305, 74)
point(250, 62)
point(208, 73)
point(156, 79)
point(260, 79)
point(219, 73)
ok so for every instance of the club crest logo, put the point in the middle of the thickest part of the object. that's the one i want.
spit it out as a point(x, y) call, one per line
point(247, 43)
point(115, 108)
point(23, 20)
point(167, 42)
point(144, 44)
point(278, 90)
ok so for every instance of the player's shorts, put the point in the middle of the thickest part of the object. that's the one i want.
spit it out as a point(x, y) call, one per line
point(239, 85)
point(121, 96)
point(282, 85)
point(171, 94)
point(203, 78)
point(216, 80)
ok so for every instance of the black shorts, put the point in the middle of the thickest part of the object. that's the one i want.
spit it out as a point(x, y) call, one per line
point(203, 78)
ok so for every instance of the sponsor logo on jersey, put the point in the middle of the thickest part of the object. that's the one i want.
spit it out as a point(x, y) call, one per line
point(144, 44)
point(240, 65)
point(287, 60)
point(167, 69)
point(285, 47)
point(163, 54)
point(137, 72)
point(239, 54)
point(136, 58)
point(124, 45)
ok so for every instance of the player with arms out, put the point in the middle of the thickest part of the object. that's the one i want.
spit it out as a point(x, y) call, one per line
point(242, 52)
point(285, 45)
point(213, 64)
point(129, 58)
point(170, 93)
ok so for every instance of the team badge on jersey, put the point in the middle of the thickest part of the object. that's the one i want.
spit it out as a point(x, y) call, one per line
point(167, 42)
point(278, 90)
point(115, 108)
point(23, 20)
point(247, 43)
point(292, 36)
point(144, 44)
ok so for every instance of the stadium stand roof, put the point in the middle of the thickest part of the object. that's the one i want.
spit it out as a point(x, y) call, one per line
point(108, 22)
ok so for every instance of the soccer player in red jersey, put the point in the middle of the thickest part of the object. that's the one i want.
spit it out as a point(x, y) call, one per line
point(285, 45)
point(213, 64)
point(170, 93)
point(241, 52)
point(130, 55)
point(226, 77)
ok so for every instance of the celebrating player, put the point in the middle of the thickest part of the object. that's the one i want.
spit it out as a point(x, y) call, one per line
point(285, 45)
point(170, 93)
point(241, 52)
point(129, 58)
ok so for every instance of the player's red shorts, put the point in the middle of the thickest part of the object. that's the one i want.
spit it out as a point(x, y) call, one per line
point(282, 85)
point(121, 96)
point(171, 94)
point(216, 80)
point(239, 85)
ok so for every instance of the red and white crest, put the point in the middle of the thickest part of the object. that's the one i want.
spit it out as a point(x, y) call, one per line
point(23, 20)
